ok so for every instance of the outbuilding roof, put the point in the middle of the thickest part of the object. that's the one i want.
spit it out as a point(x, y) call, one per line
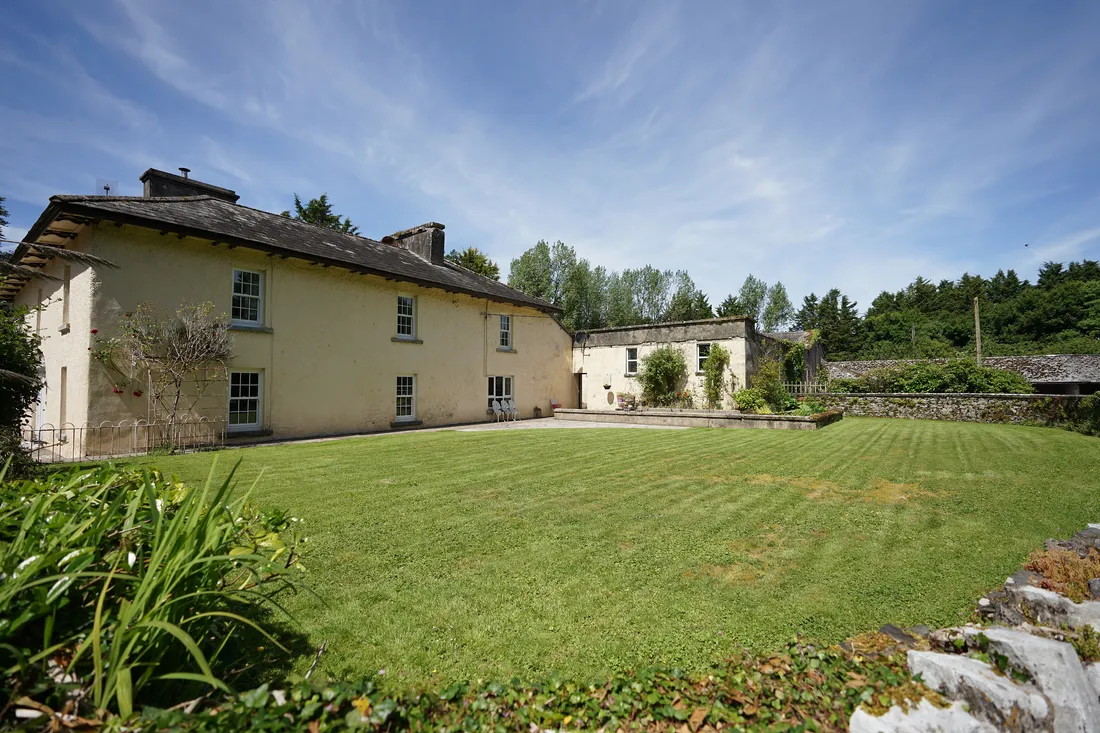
point(1040, 369)
point(221, 221)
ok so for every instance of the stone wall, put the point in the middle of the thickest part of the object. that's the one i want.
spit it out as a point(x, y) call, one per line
point(992, 408)
point(702, 418)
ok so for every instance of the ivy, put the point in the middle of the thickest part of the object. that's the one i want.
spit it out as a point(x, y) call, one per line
point(714, 367)
point(801, 687)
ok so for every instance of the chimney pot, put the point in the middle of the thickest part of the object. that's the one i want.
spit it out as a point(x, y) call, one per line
point(185, 171)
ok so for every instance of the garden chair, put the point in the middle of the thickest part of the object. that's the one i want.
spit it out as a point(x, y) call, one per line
point(515, 410)
point(498, 412)
point(509, 407)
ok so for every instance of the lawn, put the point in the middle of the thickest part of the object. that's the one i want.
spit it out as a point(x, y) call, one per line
point(464, 555)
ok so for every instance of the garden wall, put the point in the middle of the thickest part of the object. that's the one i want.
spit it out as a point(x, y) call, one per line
point(992, 408)
point(703, 418)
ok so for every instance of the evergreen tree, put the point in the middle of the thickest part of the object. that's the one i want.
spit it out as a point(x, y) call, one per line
point(319, 212)
point(475, 260)
point(808, 316)
point(731, 306)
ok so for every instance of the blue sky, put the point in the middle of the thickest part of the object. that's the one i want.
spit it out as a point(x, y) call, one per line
point(822, 144)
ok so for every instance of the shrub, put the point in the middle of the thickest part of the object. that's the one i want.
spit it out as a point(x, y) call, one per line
point(1087, 418)
point(20, 364)
point(751, 400)
point(958, 375)
point(130, 589)
point(714, 367)
point(662, 372)
point(769, 380)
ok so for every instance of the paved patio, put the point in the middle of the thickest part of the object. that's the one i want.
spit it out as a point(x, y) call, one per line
point(552, 424)
point(543, 423)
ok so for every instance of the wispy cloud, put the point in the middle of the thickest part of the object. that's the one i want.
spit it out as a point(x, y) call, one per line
point(854, 145)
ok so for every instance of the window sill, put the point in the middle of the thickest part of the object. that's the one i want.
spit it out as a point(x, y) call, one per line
point(251, 327)
point(248, 433)
point(630, 375)
point(700, 373)
point(397, 424)
point(507, 351)
point(63, 329)
point(399, 340)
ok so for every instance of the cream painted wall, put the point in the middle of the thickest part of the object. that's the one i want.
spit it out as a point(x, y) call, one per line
point(328, 360)
point(62, 347)
point(601, 365)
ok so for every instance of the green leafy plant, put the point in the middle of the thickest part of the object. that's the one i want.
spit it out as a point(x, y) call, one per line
point(661, 374)
point(1087, 418)
point(714, 369)
point(955, 376)
point(124, 588)
point(768, 379)
point(20, 383)
point(751, 400)
point(799, 687)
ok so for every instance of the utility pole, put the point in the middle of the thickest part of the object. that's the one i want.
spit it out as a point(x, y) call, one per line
point(978, 331)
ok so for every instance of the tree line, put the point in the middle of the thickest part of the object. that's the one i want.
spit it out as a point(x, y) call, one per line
point(1059, 313)
point(595, 297)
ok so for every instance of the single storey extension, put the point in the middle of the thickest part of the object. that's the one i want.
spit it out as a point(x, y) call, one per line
point(606, 360)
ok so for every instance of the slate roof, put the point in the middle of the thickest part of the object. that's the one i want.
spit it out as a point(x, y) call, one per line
point(792, 336)
point(215, 219)
point(1042, 369)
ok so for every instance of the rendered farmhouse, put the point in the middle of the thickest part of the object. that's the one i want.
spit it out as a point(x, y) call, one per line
point(333, 333)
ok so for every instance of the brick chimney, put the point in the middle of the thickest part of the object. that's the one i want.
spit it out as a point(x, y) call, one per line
point(159, 183)
point(424, 241)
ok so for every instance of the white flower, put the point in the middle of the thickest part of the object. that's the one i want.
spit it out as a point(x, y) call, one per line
point(160, 504)
point(131, 558)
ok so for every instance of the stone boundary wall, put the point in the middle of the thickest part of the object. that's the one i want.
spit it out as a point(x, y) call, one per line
point(964, 407)
point(702, 418)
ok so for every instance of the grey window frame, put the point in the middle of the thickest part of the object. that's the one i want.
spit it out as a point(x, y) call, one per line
point(634, 360)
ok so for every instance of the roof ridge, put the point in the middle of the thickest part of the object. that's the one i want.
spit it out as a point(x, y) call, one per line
point(296, 221)
point(154, 199)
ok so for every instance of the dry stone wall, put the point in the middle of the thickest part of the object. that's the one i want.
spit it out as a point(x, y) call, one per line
point(991, 408)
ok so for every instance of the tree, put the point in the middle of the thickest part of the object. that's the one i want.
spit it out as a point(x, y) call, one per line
point(752, 295)
point(808, 318)
point(530, 273)
point(475, 260)
point(3, 216)
point(319, 213)
point(20, 379)
point(779, 311)
point(179, 355)
point(688, 303)
point(731, 306)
